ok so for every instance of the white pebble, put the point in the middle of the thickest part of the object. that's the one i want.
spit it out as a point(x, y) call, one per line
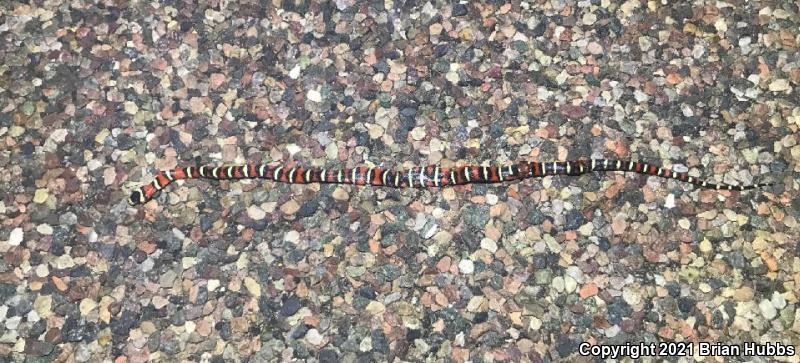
point(489, 245)
point(256, 213)
point(767, 309)
point(314, 337)
point(778, 301)
point(466, 267)
point(295, 72)
point(291, 237)
point(15, 238)
point(314, 95)
point(670, 201)
point(293, 149)
point(44, 229)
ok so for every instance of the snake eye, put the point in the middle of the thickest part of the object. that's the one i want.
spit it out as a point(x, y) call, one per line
point(135, 198)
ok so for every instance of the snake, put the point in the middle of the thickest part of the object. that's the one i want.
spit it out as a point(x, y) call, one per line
point(431, 176)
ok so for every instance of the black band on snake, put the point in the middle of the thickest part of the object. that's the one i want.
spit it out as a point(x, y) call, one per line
point(432, 176)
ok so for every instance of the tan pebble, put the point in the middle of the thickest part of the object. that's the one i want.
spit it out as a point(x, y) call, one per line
point(340, 194)
point(444, 264)
point(87, 305)
point(594, 48)
point(159, 302)
point(619, 225)
point(744, 293)
point(59, 283)
point(43, 304)
point(216, 80)
point(476, 303)
point(196, 105)
point(375, 131)
point(443, 237)
point(709, 214)
point(40, 196)
point(779, 85)
point(493, 233)
point(705, 246)
point(131, 108)
point(252, 286)
point(375, 307)
point(586, 229)
point(497, 209)
point(449, 194)
point(290, 207)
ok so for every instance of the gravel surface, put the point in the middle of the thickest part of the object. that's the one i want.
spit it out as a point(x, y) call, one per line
point(95, 98)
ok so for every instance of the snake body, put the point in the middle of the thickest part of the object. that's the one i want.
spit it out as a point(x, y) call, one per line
point(431, 176)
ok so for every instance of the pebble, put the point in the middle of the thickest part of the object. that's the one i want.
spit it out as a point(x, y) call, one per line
point(130, 107)
point(332, 151)
point(705, 246)
point(375, 131)
point(570, 284)
point(558, 284)
point(15, 237)
point(216, 80)
point(375, 308)
point(290, 207)
point(314, 95)
point(535, 323)
point(669, 202)
point(779, 85)
point(466, 266)
point(443, 237)
point(767, 309)
point(293, 148)
point(253, 287)
point(340, 194)
point(489, 245)
point(595, 48)
point(313, 337)
point(778, 301)
point(40, 196)
point(87, 305)
point(256, 213)
point(295, 72)
point(588, 290)
point(291, 237)
point(159, 301)
point(44, 229)
point(418, 133)
point(618, 225)
point(212, 284)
